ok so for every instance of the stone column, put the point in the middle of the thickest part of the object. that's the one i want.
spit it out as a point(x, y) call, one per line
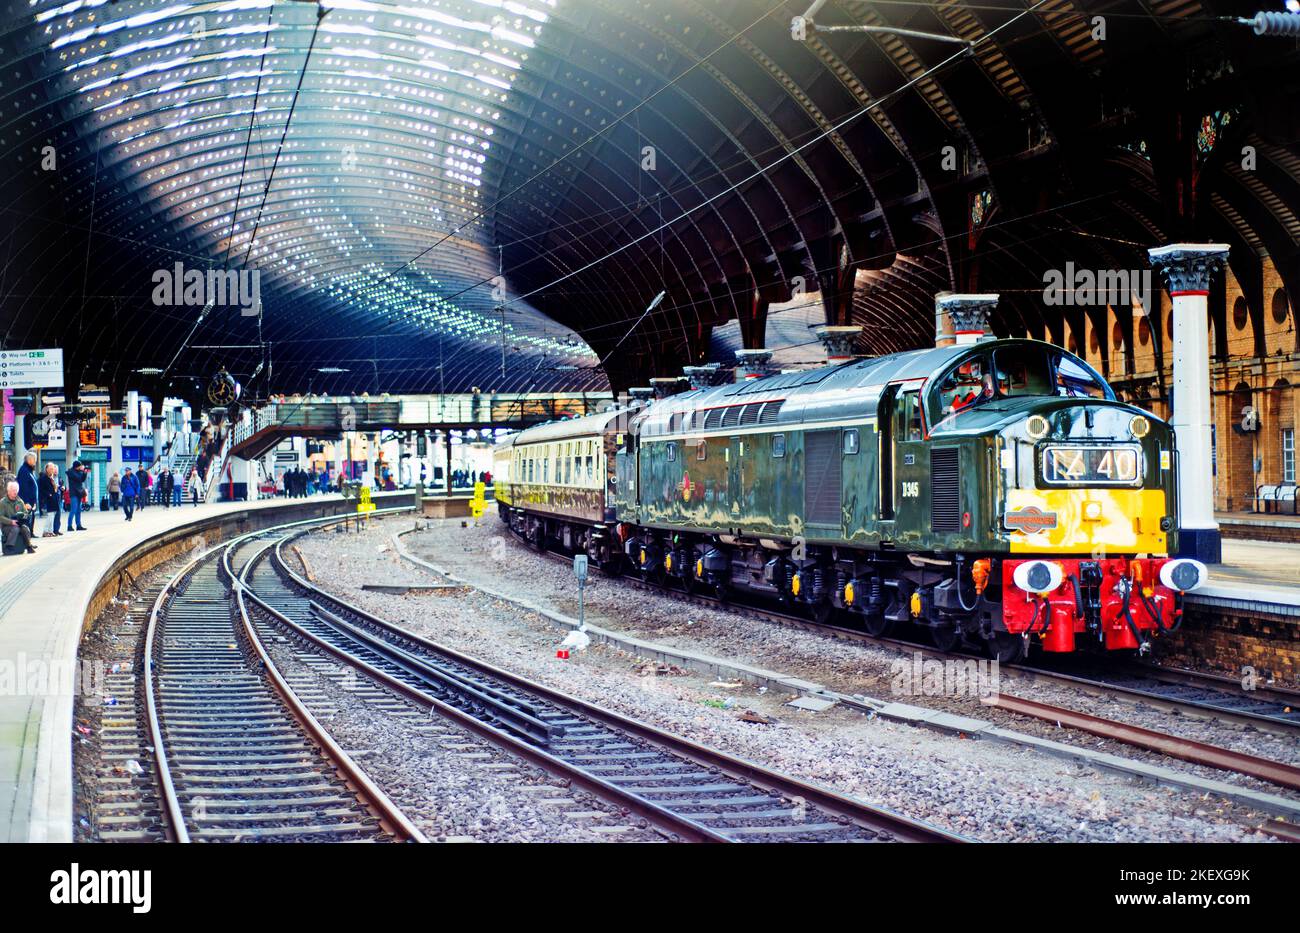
point(962, 319)
point(753, 364)
point(838, 341)
point(156, 422)
point(116, 419)
point(71, 441)
point(22, 406)
point(1187, 269)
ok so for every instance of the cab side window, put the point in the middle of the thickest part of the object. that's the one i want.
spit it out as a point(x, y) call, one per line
point(965, 386)
point(912, 428)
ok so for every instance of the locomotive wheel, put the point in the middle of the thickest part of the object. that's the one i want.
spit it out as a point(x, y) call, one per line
point(612, 567)
point(1005, 648)
point(688, 582)
point(823, 613)
point(944, 637)
point(877, 624)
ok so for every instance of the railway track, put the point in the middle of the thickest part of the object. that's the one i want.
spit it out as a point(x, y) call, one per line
point(686, 790)
point(237, 756)
point(1192, 693)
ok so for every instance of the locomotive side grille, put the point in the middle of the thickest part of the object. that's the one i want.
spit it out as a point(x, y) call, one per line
point(732, 416)
point(771, 410)
point(945, 489)
point(750, 413)
point(821, 476)
point(713, 418)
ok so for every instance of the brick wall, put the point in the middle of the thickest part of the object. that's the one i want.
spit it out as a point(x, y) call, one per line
point(1227, 641)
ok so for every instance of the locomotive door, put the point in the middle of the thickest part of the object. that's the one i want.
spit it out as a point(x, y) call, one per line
point(903, 459)
point(736, 476)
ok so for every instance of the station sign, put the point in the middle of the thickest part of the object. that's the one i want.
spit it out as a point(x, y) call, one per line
point(31, 369)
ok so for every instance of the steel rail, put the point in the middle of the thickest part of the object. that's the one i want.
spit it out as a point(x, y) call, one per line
point(1202, 710)
point(1200, 753)
point(173, 813)
point(390, 816)
point(856, 811)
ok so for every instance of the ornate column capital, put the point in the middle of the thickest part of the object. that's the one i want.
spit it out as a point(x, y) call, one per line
point(665, 386)
point(753, 364)
point(1187, 268)
point(959, 316)
point(839, 341)
point(702, 377)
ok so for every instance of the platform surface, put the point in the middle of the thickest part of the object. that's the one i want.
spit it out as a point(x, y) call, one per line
point(43, 602)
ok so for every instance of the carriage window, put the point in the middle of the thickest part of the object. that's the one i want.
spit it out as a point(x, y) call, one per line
point(1022, 370)
point(591, 469)
point(672, 452)
point(778, 445)
point(1075, 381)
point(851, 441)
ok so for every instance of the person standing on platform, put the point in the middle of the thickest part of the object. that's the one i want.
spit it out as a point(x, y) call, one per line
point(196, 485)
point(130, 490)
point(76, 494)
point(142, 477)
point(48, 494)
point(14, 518)
point(178, 488)
point(165, 488)
point(27, 490)
point(114, 490)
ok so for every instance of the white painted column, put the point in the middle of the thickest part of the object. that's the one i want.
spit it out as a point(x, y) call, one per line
point(1187, 269)
point(156, 422)
point(116, 418)
point(22, 406)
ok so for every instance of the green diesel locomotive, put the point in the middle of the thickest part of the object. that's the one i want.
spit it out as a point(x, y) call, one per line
point(993, 492)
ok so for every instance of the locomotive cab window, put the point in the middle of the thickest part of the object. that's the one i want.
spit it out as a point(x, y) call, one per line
point(967, 385)
point(851, 441)
point(1074, 379)
point(1022, 370)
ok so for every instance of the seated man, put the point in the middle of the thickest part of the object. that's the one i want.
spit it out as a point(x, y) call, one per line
point(15, 521)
